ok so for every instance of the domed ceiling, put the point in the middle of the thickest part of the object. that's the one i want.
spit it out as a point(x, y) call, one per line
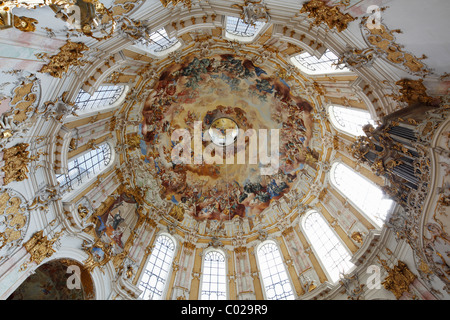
point(241, 100)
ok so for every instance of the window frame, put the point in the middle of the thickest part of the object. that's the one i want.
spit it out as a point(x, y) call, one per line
point(313, 247)
point(258, 262)
point(169, 273)
point(360, 210)
point(227, 292)
point(335, 123)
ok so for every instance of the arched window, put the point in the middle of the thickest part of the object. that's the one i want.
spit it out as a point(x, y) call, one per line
point(350, 120)
point(327, 63)
point(237, 29)
point(214, 278)
point(153, 281)
point(104, 97)
point(327, 246)
point(367, 196)
point(276, 282)
point(85, 167)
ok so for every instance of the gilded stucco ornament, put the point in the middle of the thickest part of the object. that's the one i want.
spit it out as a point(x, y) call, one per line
point(353, 287)
point(174, 3)
point(25, 24)
point(357, 237)
point(356, 58)
point(399, 279)
point(40, 247)
point(329, 15)
point(384, 42)
point(45, 196)
point(253, 11)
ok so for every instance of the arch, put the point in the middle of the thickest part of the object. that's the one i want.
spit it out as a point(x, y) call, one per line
point(86, 166)
point(326, 64)
point(276, 282)
point(214, 276)
point(349, 120)
point(153, 282)
point(361, 192)
point(57, 280)
point(328, 247)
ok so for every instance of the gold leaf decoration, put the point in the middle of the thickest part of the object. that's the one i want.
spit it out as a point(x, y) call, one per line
point(40, 247)
point(69, 55)
point(16, 163)
point(383, 40)
point(413, 92)
point(399, 279)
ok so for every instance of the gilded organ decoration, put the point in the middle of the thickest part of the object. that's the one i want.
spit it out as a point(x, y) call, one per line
point(330, 15)
point(70, 55)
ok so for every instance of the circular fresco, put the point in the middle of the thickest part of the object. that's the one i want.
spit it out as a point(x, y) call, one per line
point(244, 136)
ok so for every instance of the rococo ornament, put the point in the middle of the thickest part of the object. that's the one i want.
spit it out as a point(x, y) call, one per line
point(331, 16)
point(25, 24)
point(69, 55)
point(383, 41)
point(399, 279)
point(14, 221)
point(16, 161)
point(253, 11)
point(40, 247)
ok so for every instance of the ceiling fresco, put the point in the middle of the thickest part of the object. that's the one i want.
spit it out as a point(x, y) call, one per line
point(225, 92)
